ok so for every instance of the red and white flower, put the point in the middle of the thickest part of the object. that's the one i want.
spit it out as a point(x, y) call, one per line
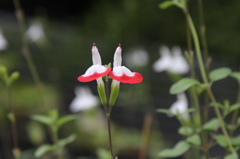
point(97, 70)
point(122, 73)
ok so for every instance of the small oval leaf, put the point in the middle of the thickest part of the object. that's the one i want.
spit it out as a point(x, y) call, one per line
point(43, 149)
point(166, 111)
point(185, 131)
point(211, 125)
point(167, 4)
point(65, 119)
point(219, 74)
point(195, 139)
point(182, 85)
point(236, 75)
point(231, 156)
point(179, 149)
point(42, 119)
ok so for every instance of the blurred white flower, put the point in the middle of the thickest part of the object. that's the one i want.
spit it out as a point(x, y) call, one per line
point(3, 41)
point(172, 62)
point(180, 106)
point(84, 99)
point(35, 32)
point(138, 57)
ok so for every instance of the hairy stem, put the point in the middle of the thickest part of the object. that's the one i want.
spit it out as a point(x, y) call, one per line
point(205, 79)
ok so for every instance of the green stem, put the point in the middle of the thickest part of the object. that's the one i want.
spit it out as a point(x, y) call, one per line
point(205, 79)
point(16, 151)
point(194, 91)
point(235, 114)
point(202, 28)
point(109, 135)
point(56, 143)
point(26, 52)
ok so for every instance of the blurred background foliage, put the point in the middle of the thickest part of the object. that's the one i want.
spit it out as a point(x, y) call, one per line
point(70, 28)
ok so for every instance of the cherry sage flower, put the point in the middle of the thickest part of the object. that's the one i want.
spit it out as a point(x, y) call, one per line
point(173, 62)
point(121, 74)
point(96, 72)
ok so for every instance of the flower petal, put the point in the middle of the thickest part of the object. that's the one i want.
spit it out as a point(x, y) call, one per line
point(96, 58)
point(124, 75)
point(94, 72)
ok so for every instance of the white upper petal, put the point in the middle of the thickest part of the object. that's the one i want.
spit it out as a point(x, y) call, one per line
point(3, 42)
point(35, 32)
point(120, 70)
point(165, 61)
point(180, 65)
point(95, 69)
point(138, 57)
point(84, 99)
point(117, 60)
point(96, 58)
point(180, 106)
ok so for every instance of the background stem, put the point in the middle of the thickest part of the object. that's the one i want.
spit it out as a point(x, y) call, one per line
point(26, 52)
point(16, 151)
point(205, 79)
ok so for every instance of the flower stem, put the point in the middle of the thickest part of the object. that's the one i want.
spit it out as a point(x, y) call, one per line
point(204, 77)
point(108, 110)
point(109, 135)
point(26, 52)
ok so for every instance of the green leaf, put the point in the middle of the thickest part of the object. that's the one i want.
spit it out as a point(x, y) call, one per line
point(43, 149)
point(195, 139)
point(103, 153)
point(234, 107)
point(219, 105)
point(11, 117)
point(182, 85)
point(36, 132)
point(185, 131)
point(231, 156)
point(67, 140)
point(13, 77)
point(167, 4)
point(53, 114)
point(221, 140)
point(190, 110)
point(219, 74)
point(236, 75)
point(166, 111)
point(42, 119)
point(211, 125)
point(179, 149)
point(235, 140)
point(65, 119)
point(4, 73)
